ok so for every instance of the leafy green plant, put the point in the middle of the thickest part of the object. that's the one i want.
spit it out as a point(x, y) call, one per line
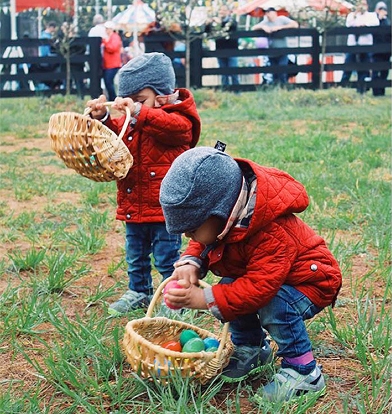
point(28, 260)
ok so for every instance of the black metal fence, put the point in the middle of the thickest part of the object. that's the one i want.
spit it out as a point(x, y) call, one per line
point(20, 73)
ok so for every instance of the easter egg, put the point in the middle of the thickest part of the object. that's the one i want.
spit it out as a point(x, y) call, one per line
point(172, 346)
point(194, 345)
point(186, 335)
point(171, 285)
point(212, 349)
point(211, 342)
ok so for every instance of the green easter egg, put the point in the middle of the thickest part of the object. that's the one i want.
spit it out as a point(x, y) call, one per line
point(186, 335)
point(212, 349)
point(194, 345)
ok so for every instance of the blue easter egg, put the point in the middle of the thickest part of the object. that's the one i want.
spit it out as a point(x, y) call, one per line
point(211, 342)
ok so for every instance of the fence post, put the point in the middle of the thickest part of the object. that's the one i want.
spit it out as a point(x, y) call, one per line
point(196, 62)
point(95, 61)
point(316, 66)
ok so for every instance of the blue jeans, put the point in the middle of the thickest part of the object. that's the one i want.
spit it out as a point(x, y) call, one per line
point(279, 61)
point(140, 241)
point(362, 74)
point(230, 62)
point(283, 317)
point(108, 78)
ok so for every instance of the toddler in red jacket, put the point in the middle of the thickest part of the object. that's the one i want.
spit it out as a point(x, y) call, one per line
point(165, 123)
point(276, 271)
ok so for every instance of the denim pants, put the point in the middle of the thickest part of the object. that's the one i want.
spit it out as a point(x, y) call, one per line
point(279, 61)
point(142, 240)
point(283, 317)
point(362, 74)
point(229, 62)
point(108, 78)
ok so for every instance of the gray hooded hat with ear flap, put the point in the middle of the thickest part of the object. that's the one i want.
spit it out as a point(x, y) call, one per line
point(202, 182)
point(149, 70)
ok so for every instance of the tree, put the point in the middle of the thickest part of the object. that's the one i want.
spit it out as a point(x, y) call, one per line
point(323, 20)
point(185, 20)
point(177, 18)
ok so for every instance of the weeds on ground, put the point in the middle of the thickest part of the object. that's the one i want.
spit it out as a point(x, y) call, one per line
point(62, 258)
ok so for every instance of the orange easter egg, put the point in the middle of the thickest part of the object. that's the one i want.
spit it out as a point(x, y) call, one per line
point(172, 346)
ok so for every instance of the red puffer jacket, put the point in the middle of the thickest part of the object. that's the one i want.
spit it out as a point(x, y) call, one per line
point(111, 56)
point(277, 248)
point(160, 135)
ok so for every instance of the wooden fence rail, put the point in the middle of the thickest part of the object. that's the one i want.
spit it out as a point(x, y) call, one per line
point(18, 79)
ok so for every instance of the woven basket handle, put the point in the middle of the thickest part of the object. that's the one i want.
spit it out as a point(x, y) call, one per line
point(158, 294)
point(127, 118)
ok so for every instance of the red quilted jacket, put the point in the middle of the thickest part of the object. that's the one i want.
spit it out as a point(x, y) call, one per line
point(277, 248)
point(160, 135)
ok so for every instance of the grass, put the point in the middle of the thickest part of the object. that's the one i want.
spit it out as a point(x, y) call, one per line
point(62, 258)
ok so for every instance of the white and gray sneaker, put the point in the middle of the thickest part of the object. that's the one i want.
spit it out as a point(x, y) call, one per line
point(130, 300)
point(288, 383)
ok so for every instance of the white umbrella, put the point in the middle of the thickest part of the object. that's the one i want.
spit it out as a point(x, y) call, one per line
point(136, 18)
point(138, 15)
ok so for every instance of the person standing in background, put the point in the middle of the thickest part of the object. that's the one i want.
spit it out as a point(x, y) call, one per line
point(272, 23)
point(225, 23)
point(360, 17)
point(111, 59)
point(98, 30)
point(47, 50)
point(48, 33)
point(382, 14)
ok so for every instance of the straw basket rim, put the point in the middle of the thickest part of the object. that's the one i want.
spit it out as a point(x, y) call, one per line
point(89, 147)
point(143, 355)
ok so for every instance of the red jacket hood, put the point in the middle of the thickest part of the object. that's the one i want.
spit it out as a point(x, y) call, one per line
point(278, 194)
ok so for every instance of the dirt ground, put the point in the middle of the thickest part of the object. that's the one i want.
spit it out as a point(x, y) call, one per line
point(341, 368)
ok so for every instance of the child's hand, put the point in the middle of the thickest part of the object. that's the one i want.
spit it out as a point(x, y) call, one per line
point(98, 109)
point(189, 296)
point(187, 272)
point(121, 103)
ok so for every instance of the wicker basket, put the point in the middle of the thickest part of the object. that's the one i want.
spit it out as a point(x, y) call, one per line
point(89, 147)
point(142, 341)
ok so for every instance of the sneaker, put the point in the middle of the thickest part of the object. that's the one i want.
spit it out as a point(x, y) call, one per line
point(129, 301)
point(246, 361)
point(288, 384)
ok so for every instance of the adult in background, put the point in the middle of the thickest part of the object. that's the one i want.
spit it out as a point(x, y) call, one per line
point(382, 14)
point(48, 33)
point(272, 23)
point(111, 58)
point(226, 24)
point(47, 50)
point(360, 17)
point(98, 30)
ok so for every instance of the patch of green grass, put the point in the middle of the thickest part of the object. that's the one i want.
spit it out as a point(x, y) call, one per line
point(55, 224)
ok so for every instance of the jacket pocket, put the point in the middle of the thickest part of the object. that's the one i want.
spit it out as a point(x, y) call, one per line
point(156, 174)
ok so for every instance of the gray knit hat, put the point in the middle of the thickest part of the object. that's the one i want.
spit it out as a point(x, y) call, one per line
point(202, 182)
point(149, 70)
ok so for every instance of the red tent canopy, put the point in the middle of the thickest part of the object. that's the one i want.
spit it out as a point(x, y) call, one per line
point(22, 5)
point(256, 8)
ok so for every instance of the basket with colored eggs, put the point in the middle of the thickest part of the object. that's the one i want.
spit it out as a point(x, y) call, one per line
point(89, 147)
point(158, 347)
